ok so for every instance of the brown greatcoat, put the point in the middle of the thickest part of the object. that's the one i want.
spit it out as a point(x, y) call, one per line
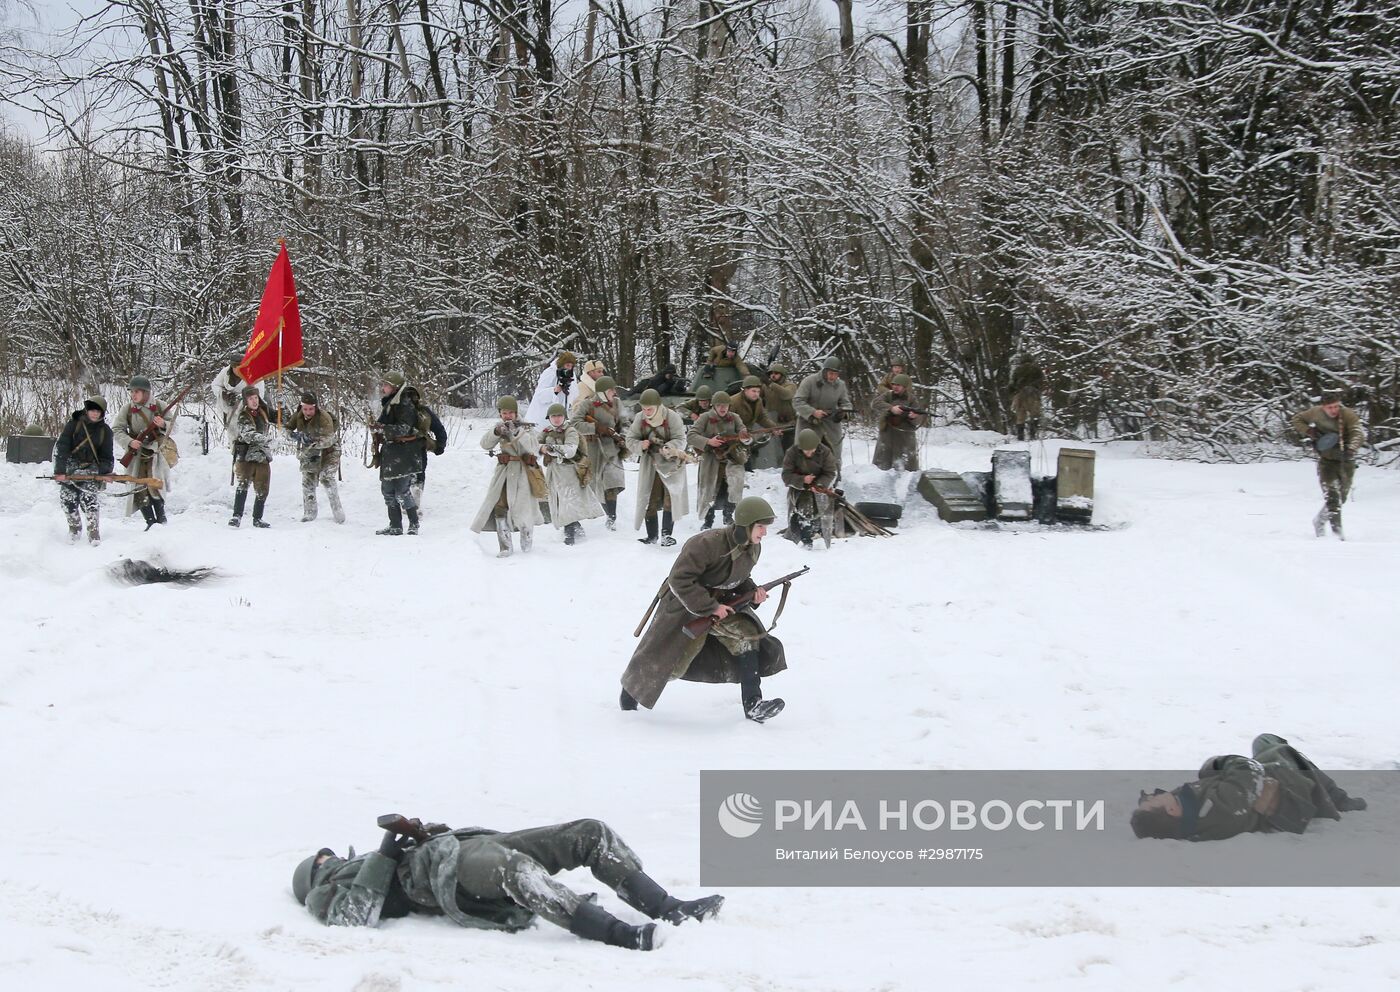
point(718, 560)
point(777, 396)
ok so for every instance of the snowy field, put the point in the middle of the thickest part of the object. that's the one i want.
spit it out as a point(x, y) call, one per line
point(170, 755)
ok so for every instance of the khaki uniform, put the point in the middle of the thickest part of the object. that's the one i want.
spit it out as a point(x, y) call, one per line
point(318, 455)
point(604, 453)
point(510, 503)
point(1336, 467)
point(808, 510)
point(815, 393)
point(152, 461)
point(898, 444)
point(569, 500)
point(721, 476)
point(661, 481)
point(1027, 391)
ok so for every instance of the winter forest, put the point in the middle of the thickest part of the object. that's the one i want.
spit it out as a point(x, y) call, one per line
point(1189, 211)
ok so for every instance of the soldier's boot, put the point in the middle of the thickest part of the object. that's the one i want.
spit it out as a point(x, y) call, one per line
point(572, 532)
point(710, 517)
point(416, 490)
point(75, 525)
point(240, 500)
point(412, 520)
point(148, 514)
point(1335, 519)
point(544, 511)
point(503, 538)
point(308, 505)
point(728, 513)
point(610, 508)
point(1020, 432)
point(158, 505)
point(667, 524)
point(1320, 522)
point(756, 708)
point(395, 527)
point(337, 511)
point(640, 891)
point(651, 530)
point(527, 539)
point(1034, 429)
point(626, 701)
point(593, 922)
point(94, 538)
point(258, 504)
point(804, 530)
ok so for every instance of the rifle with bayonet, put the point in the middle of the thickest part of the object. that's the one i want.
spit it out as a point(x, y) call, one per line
point(152, 430)
point(700, 626)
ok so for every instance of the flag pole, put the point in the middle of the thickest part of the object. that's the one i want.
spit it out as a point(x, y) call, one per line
point(282, 246)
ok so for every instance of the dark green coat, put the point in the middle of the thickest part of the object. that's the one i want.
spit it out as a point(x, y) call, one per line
point(83, 447)
point(401, 453)
point(1220, 804)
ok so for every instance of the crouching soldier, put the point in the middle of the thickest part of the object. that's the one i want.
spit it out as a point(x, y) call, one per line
point(570, 501)
point(511, 502)
point(809, 465)
point(723, 440)
point(1337, 435)
point(657, 440)
point(399, 453)
point(737, 647)
point(252, 457)
point(898, 445)
point(84, 448)
point(318, 451)
point(1278, 789)
point(487, 880)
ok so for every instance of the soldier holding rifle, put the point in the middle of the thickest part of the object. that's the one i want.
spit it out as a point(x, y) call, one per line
point(710, 590)
point(143, 430)
point(83, 449)
point(898, 446)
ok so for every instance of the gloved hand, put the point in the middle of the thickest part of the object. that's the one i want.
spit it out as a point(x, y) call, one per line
point(503, 458)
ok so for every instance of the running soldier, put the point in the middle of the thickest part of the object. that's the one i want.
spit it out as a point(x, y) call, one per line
point(738, 648)
point(252, 457)
point(512, 502)
point(84, 448)
point(1337, 436)
point(600, 428)
point(657, 440)
point(318, 453)
point(152, 460)
point(724, 442)
point(570, 500)
point(809, 465)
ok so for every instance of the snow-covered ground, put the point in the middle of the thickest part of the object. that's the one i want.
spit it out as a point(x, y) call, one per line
point(170, 755)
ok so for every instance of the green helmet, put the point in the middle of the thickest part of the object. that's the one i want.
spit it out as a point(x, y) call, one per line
point(604, 383)
point(139, 382)
point(33, 430)
point(95, 402)
point(650, 397)
point(780, 369)
point(395, 379)
point(753, 510)
point(720, 398)
point(507, 403)
point(902, 363)
point(305, 874)
point(704, 393)
point(832, 364)
point(808, 439)
point(556, 410)
point(753, 382)
point(902, 380)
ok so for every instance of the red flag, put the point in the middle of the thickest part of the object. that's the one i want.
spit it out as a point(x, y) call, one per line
point(276, 341)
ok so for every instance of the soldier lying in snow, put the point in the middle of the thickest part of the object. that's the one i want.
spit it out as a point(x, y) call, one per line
point(487, 880)
point(1278, 789)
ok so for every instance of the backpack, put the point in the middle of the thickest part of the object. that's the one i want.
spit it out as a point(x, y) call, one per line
point(431, 428)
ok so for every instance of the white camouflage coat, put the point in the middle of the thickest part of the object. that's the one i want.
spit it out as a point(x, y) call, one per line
point(524, 509)
point(545, 396)
point(669, 437)
point(569, 502)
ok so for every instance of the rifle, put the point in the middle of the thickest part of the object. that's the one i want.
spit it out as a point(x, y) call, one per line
point(152, 430)
point(749, 435)
point(602, 430)
point(700, 626)
point(415, 829)
point(150, 483)
point(827, 491)
point(909, 413)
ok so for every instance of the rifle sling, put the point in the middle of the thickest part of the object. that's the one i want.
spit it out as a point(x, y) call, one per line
point(782, 604)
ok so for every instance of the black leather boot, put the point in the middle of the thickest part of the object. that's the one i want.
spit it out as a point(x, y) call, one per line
point(592, 922)
point(651, 530)
point(756, 708)
point(642, 893)
point(258, 504)
point(240, 499)
point(667, 522)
